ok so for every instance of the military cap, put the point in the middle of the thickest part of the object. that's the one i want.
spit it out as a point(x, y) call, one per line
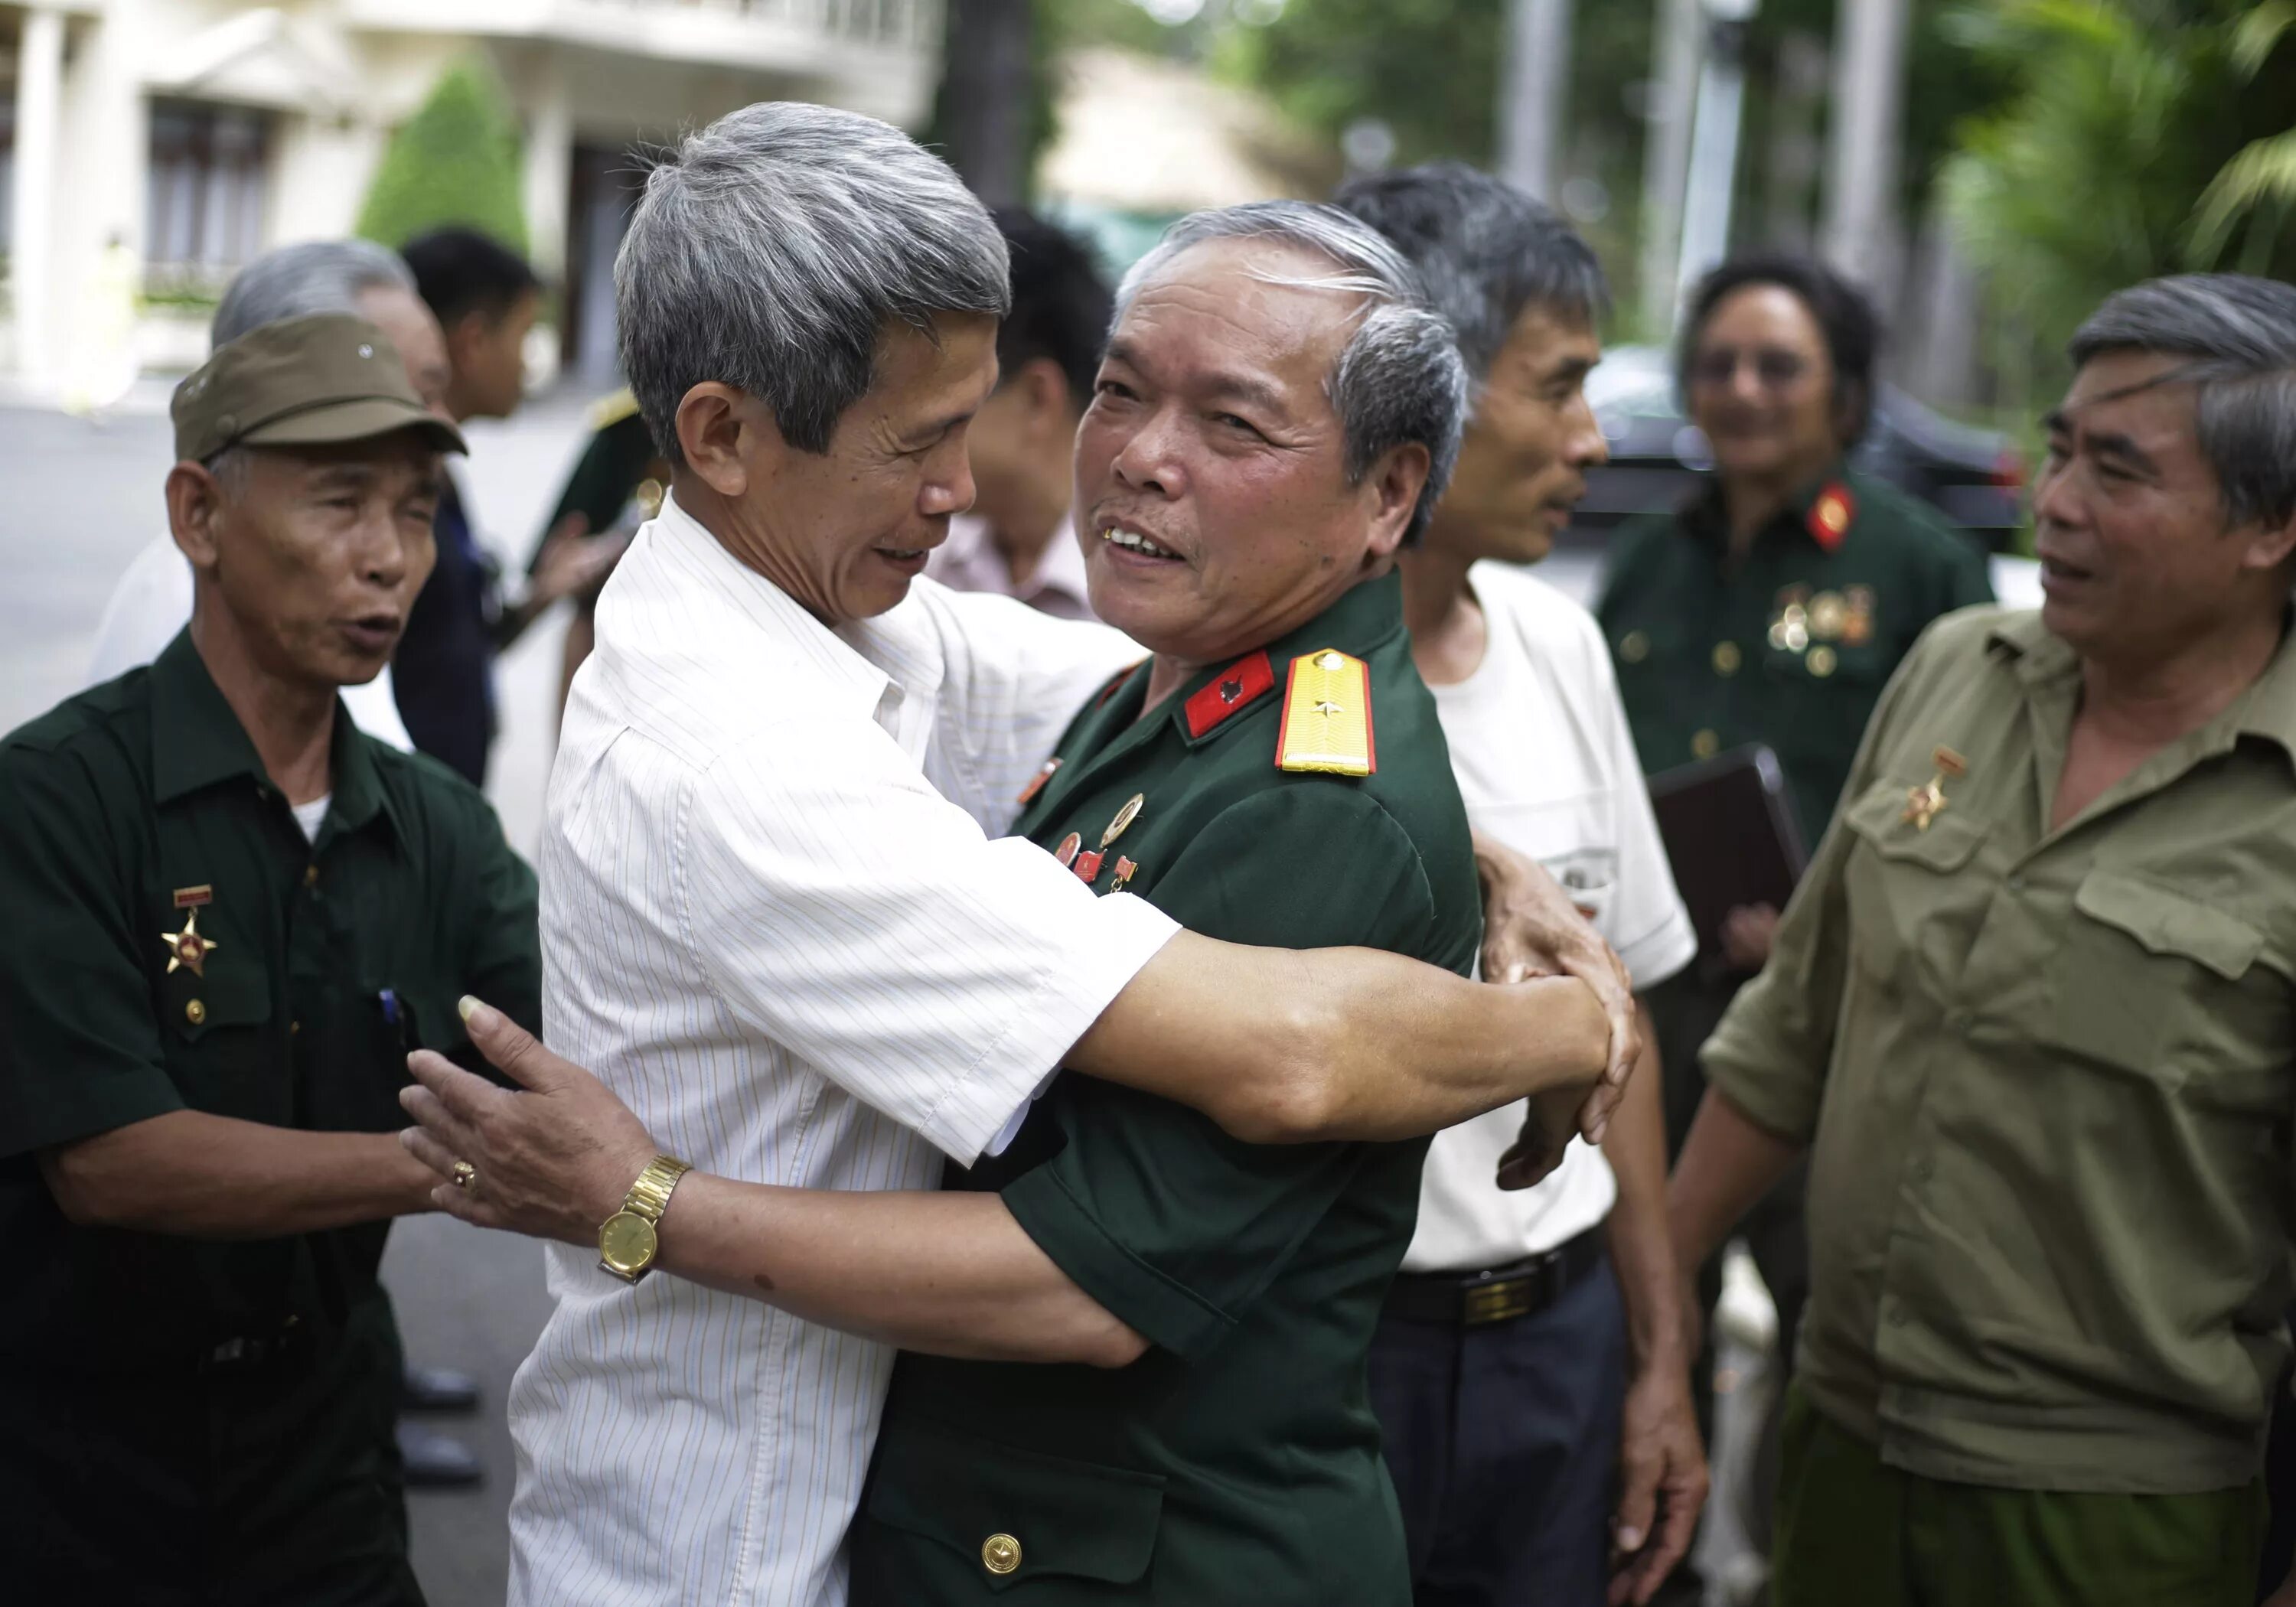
point(302, 382)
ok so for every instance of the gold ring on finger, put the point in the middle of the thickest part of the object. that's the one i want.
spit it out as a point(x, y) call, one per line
point(466, 1176)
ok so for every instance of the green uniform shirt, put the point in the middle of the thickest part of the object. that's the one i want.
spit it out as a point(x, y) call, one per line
point(618, 459)
point(2048, 1078)
point(202, 1409)
point(1238, 1460)
point(1790, 648)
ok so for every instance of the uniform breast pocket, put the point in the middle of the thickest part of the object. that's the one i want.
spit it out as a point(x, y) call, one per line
point(356, 1064)
point(221, 1023)
point(2153, 981)
point(1912, 891)
point(950, 1518)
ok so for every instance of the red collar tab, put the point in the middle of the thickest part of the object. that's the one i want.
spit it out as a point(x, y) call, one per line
point(1234, 690)
point(1115, 681)
point(1829, 515)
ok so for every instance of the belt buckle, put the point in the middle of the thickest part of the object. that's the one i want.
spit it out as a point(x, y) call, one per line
point(1495, 1300)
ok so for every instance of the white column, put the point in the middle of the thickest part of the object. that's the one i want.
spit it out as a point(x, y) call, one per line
point(31, 249)
point(549, 173)
point(1532, 92)
point(1867, 127)
point(1681, 47)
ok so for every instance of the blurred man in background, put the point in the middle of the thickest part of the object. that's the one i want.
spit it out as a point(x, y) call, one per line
point(2028, 1016)
point(1772, 608)
point(1518, 1397)
point(484, 297)
point(1019, 538)
point(232, 914)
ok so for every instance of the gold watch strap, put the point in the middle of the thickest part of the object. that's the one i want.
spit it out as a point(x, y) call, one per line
point(648, 1196)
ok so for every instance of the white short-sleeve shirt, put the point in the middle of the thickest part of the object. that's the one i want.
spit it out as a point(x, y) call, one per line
point(152, 603)
point(775, 920)
point(1547, 765)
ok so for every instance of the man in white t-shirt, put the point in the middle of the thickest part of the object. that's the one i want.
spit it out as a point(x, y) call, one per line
point(1530, 1363)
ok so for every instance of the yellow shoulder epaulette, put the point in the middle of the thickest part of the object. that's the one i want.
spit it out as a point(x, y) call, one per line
point(1326, 724)
point(607, 411)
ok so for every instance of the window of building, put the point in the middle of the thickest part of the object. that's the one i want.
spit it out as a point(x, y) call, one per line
point(203, 213)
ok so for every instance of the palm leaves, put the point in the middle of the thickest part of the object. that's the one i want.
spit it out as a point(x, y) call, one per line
point(2145, 137)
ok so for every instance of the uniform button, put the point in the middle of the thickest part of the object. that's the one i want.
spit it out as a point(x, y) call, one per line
point(1705, 744)
point(1000, 1553)
point(1957, 1022)
point(310, 875)
point(2015, 885)
point(1921, 1170)
point(1897, 1317)
point(294, 1027)
point(1726, 658)
point(1634, 647)
point(195, 1012)
point(1820, 660)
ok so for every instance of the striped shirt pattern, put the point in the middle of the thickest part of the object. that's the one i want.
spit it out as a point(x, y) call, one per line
point(777, 922)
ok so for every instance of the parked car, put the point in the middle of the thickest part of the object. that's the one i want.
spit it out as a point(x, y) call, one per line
point(1975, 477)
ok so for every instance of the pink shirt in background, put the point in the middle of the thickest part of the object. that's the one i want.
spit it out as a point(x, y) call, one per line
point(969, 561)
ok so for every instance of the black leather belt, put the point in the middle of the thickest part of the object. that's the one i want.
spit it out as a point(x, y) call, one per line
point(1474, 1300)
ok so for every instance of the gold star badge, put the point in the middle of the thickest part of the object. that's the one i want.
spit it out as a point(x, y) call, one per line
point(187, 948)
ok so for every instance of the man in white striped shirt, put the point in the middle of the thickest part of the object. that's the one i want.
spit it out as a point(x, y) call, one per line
point(774, 919)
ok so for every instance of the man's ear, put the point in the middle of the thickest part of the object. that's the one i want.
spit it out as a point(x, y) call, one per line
point(1393, 485)
point(1051, 402)
point(2270, 545)
point(195, 505)
point(726, 437)
point(468, 337)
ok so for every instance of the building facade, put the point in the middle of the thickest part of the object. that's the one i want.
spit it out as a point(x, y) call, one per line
point(149, 147)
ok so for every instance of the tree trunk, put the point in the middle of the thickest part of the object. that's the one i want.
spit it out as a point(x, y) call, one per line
point(985, 96)
point(1533, 93)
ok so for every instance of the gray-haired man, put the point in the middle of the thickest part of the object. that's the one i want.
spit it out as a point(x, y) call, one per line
point(2030, 1013)
point(1524, 1400)
point(811, 972)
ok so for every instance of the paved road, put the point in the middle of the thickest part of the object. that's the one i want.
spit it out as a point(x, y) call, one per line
point(83, 500)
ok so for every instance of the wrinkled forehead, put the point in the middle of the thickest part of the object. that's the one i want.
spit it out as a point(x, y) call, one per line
point(1283, 309)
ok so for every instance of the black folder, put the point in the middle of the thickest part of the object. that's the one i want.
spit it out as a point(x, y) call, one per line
point(1730, 836)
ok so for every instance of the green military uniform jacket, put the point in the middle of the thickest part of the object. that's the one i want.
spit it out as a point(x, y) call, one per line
point(1238, 1460)
point(2048, 1076)
point(617, 464)
point(1793, 647)
point(204, 1420)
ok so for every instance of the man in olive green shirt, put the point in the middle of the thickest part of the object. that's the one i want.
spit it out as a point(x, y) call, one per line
point(2031, 1012)
point(229, 916)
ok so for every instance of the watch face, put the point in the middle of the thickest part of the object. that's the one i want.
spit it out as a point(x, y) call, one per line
point(627, 1243)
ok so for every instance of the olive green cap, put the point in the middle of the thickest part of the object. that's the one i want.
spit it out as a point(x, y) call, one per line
point(299, 383)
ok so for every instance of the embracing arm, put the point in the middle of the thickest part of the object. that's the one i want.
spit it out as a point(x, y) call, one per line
point(195, 1176)
point(1284, 1045)
point(950, 1273)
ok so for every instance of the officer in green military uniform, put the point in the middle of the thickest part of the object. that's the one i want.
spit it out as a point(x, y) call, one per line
point(1246, 805)
point(616, 485)
point(1772, 608)
point(225, 916)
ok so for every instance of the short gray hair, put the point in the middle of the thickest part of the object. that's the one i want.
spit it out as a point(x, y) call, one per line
point(317, 276)
point(2239, 333)
point(1400, 381)
point(1485, 249)
point(773, 249)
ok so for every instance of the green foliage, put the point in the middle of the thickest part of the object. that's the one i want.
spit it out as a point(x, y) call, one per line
point(2144, 136)
point(455, 161)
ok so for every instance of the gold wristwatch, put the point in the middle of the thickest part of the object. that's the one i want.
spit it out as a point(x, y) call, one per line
point(628, 1242)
